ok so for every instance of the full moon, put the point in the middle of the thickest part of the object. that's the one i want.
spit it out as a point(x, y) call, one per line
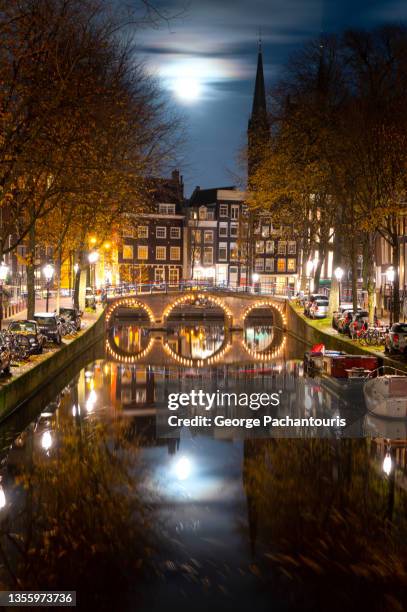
point(187, 88)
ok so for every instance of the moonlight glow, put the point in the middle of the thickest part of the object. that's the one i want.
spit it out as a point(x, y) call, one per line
point(187, 88)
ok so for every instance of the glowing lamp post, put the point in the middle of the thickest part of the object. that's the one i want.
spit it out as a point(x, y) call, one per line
point(391, 274)
point(93, 257)
point(48, 272)
point(339, 275)
point(3, 275)
point(255, 279)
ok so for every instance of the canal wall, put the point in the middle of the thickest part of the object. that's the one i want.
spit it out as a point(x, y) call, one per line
point(299, 327)
point(22, 387)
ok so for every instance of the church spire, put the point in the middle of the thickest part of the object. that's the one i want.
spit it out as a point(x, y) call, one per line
point(259, 99)
point(258, 131)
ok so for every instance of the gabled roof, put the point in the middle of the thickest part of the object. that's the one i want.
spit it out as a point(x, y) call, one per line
point(206, 196)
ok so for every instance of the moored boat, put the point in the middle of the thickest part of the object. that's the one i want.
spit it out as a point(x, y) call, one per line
point(386, 394)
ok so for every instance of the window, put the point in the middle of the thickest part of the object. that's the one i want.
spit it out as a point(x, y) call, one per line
point(167, 209)
point(142, 252)
point(291, 265)
point(259, 265)
point(233, 229)
point(259, 246)
point(161, 252)
point(280, 265)
point(208, 255)
point(175, 253)
point(265, 231)
point(197, 255)
point(196, 236)
point(223, 251)
point(292, 247)
point(269, 246)
point(175, 232)
point(208, 236)
point(234, 211)
point(223, 229)
point(159, 275)
point(269, 264)
point(202, 213)
point(234, 254)
point(128, 232)
point(193, 214)
point(142, 231)
point(282, 247)
point(223, 210)
point(210, 215)
point(161, 232)
point(173, 276)
point(127, 251)
point(257, 228)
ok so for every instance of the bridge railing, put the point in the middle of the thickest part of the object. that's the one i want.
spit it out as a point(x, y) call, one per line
point(112, 291)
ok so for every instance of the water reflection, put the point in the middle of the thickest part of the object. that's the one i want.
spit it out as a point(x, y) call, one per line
point(209, 516)
point(196, 341)
point(258, 337)
point(129, 339)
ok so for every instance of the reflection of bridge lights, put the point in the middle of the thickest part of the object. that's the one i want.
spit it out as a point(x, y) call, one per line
point(46, 440)
point(387, 464)
point(91, 401)
point(128, 358)
point(2, 498)
point(199, 363)
point(265, 355)
point(183, 468)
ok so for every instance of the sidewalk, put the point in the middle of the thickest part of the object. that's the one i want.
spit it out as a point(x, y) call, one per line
point(40, 305)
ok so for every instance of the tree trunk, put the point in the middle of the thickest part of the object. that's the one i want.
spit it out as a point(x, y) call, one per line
point(396, 283)
point(317, 273)
point(30, 270)
point(369, 280)
point(354, 268)
point(58, 268)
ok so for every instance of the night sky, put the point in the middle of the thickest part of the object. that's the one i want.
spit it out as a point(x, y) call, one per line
point(208, 53)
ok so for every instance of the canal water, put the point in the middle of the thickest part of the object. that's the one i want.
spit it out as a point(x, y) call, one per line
point(96, 496)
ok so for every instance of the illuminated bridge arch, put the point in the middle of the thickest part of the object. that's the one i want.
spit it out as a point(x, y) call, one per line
point(190, 297)
point(128, 303)
point(276, 309)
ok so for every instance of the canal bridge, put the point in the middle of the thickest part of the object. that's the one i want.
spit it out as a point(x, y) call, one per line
point(236, 305)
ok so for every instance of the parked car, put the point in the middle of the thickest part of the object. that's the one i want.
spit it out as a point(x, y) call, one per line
point(310, 299)
point(49, 325)
point(339, 314)
point(319, 309)
point(90, 298)
point(396, 341)
point(73, 315)
point(31, 331)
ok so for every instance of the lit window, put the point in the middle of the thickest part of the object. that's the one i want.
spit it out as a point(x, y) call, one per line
point(234, 211)
point(167, 209)
point(233, 229)
point(269, 264)
point(257, 228)
point(175, 232)
point(127, 251)
point(223, 251)
point(291, 265)
point(208, 255)
point(175, 253)
point(202, 213)
point(259, 265)
point(173, 276)
point(223, 210)
point(292, 247)
point(128, 232)
point(161, 232)
point(282, 247)
point(269, 246)
point(142, 252)
point(196, 236)
point(259, 246)
point(280, 265)
point(142, 231)
point(234, 253)
point(159, 275)
point(196, 255)
point(160, 252)
point(208, 236)
point(265, 231)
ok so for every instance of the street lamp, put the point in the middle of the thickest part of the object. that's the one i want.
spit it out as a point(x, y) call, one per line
point(339, 275)
point(48, 272)
point(391, 274)
point(93, 258)
point(3, 275)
